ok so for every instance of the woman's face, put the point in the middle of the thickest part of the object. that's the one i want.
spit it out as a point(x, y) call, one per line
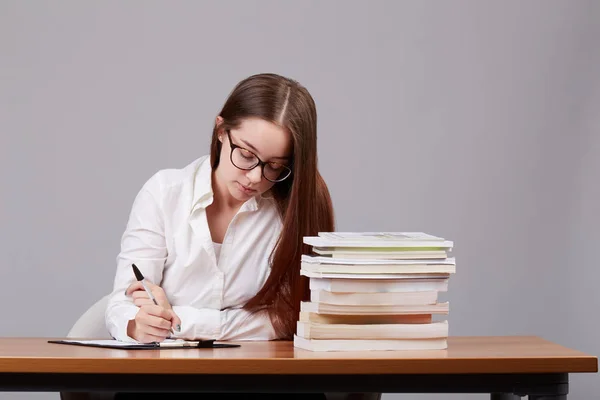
point(256, 137)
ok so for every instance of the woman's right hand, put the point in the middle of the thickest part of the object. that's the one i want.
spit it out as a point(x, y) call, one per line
point(152, 323)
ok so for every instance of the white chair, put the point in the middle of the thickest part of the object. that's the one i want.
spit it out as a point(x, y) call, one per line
point(91, 325)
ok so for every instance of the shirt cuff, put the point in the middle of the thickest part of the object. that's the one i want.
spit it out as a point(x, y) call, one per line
point(239, 324)
point(198, 323)
point(118, 319)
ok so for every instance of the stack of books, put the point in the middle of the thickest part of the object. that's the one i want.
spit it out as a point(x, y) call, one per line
point(375, 291)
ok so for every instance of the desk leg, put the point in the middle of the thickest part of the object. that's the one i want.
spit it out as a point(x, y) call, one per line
point(504, 396)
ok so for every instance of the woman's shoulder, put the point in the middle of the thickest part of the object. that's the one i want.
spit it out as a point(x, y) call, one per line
point(169, 179)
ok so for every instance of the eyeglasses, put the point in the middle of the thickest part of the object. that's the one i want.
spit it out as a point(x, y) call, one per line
point(245, 159)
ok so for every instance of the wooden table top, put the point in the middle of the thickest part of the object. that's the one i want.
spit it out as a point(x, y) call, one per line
point(465, 355)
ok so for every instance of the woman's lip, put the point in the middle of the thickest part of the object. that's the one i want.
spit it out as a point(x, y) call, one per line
point(246, 188)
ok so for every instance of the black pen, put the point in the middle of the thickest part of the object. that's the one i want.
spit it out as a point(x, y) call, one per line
point(140, 278)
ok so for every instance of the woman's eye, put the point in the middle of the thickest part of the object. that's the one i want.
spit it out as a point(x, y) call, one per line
point(275, 166)
point(246, 154)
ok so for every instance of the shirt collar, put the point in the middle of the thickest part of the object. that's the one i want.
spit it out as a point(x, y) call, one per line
point(202, 191)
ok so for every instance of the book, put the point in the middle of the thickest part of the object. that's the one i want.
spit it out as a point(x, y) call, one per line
point(413, 268)
point(352, 261)
point(387, 236)
point(395, 276)
point(313, 330)
point(306, 316)
point(345, 285)
point(392, 253)
point(374, 299)
point(338, 240)
point(374, 291)
point(323, 308)
point(369, 344)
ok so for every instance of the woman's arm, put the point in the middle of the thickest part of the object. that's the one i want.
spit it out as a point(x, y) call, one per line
point(142, 243)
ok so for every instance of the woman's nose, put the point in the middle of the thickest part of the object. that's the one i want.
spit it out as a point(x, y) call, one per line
point(255, 175)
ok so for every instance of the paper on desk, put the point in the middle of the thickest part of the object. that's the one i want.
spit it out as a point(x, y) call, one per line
point(118, 343)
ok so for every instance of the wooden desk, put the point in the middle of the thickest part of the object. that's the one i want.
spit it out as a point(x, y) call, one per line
point(521, 365)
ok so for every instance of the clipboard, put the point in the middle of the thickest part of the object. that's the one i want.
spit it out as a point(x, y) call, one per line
point(165, 345)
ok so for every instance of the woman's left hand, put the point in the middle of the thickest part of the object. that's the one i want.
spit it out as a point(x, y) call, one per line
point(141, 298)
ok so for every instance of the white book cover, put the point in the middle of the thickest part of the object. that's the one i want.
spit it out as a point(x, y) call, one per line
point(377, 239)
point(370, 345)
point(351, 261)
point(395, 236)
point(329, 275)
point(379, 268)
point(391, 253)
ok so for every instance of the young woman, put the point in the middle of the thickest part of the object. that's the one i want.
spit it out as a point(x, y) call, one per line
point(219, 241)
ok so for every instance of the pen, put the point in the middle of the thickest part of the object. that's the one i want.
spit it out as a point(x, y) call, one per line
point(140, 278)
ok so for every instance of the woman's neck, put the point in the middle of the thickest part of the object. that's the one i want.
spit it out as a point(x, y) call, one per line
point(223, 201)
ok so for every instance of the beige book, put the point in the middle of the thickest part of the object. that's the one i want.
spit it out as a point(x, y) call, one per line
point(312, 330)
point(323, 308)
point(374, 299)
point(369, 344)
point(378, 285)
point(365, 319)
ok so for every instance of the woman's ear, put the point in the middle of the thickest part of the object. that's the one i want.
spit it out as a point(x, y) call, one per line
point(218, 123)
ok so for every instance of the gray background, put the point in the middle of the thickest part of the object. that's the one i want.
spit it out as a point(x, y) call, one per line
point(473, 120)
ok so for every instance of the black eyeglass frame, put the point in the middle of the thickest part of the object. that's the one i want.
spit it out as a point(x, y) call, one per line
point(260, 162)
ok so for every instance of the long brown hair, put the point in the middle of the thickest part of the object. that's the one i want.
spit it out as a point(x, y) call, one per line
point(302, 199)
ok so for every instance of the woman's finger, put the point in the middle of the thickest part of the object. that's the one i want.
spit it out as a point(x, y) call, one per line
point(150, 330)
point(175, 321)
point(144, 328)
point(159, 311)
point(140, 294)
point(136, 290)
point(160, 295)
point(156, 316)
point(143, 302)
point(137, 285)
point(158, 322)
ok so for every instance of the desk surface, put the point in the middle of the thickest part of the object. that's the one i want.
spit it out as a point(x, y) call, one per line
point(465, 355)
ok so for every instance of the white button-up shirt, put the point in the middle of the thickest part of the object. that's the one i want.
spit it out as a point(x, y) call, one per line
point(168, 238)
